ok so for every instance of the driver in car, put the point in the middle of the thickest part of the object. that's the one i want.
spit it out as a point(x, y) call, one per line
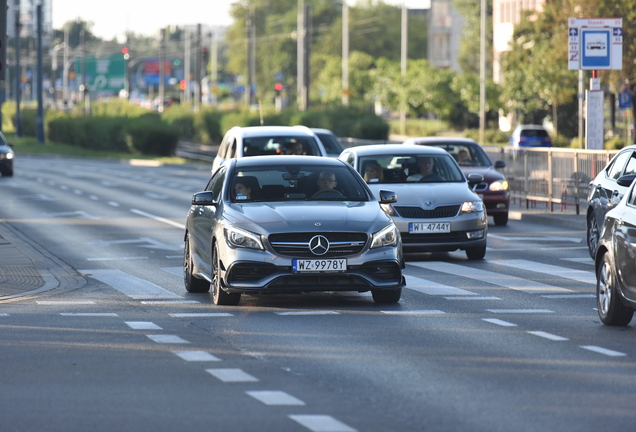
point(326, 183)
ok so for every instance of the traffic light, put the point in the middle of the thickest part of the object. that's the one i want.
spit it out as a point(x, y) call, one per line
point(278, 87)
point(176, 62)
point(204, 54)
point(182, 85)
point(124, 51)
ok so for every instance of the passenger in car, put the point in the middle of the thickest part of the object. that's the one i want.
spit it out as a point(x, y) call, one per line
point(242, 192)
point(373, 172)
point(295, 148)
point(463, 158)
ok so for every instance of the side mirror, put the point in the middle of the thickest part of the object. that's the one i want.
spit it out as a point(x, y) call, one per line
point(500, 164)
point(475, 179)
point(203, 198)
point(387, 196)
point(626, 180)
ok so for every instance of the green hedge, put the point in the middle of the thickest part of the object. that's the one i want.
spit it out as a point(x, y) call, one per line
point(150, 137)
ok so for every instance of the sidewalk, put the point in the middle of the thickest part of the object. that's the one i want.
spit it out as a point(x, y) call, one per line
point(26, 270)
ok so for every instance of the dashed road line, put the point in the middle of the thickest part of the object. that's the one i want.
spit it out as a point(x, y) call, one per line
point(321, 423)
point(196, 356)
point(568, 296)
point(471, 298)
point(273, 397)
point(88, 314)
point(520, 311)
point(65, 302)
point(201, 315)
point(499, 322)
point(142, 325)
point(604, 351)
point(232, 375)
point(414, 312)
point(548, 335)
point(167, 339)
point(308, 313)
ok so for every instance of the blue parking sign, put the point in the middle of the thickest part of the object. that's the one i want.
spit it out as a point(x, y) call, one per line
point(624, 100)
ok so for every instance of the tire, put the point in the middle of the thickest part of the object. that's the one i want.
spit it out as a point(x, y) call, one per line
point(192, 283)
point(220, 297)
point(592, 235)
point(500, 218)
point(387, 296)
point(611, 310)
point(476, 253)
point(7, 173)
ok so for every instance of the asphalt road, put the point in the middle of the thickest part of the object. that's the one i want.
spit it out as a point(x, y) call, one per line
point(512, 342)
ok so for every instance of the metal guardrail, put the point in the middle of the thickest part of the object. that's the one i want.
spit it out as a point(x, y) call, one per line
point(551, 175)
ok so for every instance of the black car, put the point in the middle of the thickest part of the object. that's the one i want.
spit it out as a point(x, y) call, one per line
point(615, 259)
point(330, 141)
point(6, 157)
point(606, 191)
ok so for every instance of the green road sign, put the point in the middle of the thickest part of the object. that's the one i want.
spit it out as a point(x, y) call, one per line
point(103, 74)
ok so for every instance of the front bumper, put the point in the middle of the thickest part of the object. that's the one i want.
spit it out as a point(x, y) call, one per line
point(467, 232)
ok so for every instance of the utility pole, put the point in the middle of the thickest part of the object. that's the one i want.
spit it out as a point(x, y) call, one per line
point(3, 54)
point(197, 70)
point(345, 53)
point(482, 76)
point(251, 59)
point(300, 50)
point(162, 70)
point(214, 79)
point(403, 64)
point(18, 73)
point(65, 71)
point(186, 66)
point(40, 119)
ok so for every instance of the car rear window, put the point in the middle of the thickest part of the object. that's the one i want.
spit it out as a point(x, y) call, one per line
point(330, 143)
point(534, 133)
point(274, 145)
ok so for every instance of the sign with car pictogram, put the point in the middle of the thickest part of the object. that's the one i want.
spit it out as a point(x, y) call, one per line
point(595, 43)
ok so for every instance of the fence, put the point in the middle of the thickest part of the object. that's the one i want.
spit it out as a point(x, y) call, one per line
point(550, 175)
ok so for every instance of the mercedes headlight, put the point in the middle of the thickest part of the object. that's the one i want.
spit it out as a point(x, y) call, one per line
point(472, 207)
point(387, 236)
point(498, 186)
point(240, 238)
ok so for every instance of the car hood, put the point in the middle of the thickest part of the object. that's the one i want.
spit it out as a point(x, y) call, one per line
point(428, 195)
point(301, 216)
point(490, 174)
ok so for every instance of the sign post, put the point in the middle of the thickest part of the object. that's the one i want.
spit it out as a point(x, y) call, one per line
point(595, 44)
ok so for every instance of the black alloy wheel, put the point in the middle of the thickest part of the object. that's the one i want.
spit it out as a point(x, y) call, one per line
point(592, 235)
point(220, 297)
point(611, 309)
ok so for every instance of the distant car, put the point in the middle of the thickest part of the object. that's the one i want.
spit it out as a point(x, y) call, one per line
point(530, 136)
point(606, 191)
point(473, 159)
point(437, 210)
point(614, 263)
point(240, 142)
point(267, 225)
point(329, 141)
point(6, 157)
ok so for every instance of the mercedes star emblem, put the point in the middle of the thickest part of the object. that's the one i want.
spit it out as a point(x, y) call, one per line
point(319, 245)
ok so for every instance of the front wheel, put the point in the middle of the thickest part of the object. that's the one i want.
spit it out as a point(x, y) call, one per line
point(220, 297)
point(611, 310)
point(500, 218)
point(192, 284)
point(387, 296)
point(592, 235)
point(476, 253)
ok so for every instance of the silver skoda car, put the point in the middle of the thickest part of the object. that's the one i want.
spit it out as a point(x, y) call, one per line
point(438, 210)
point(291, 224)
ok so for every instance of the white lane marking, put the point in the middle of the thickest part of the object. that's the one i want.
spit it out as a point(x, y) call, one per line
point(200, 315)
point(88, 314)
point(589, 261)
point(552, 270)
point(308, 313)
point(520, 311)
point(472, 298)
point(168, 301)
point(94, 197)
point(433, 288)
point(603, 350)
point(118, 258)
point(273, 397)
point(151, 243)
point(79, 214)
point(548, 335)
point(499, 322)
point(142, 325)
point(414, 312)
point(196, 356)
point(175, 257)
point(64, 187)
point(113, 203)
point(132, 286)
point(158, 218)
point(321, 423)
point(178, 271)
point(63, 302)
point(4, 314)
point(546, 238)
point(565, 296)
point(78, 192)
point(232, 375)
point(167, 339)
point(493, 278)
point(155, 196)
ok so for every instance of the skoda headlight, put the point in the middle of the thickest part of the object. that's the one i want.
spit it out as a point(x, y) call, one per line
point(387, 236)
point(498, 186)
point(9, 155)
point(472, 207)
point(240, 238)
